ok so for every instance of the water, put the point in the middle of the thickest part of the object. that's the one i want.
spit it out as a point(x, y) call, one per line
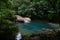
point(18, 36)
point(33, 26)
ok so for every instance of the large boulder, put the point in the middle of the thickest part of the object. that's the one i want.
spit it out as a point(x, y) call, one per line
point(26, 18)
point(20, 18)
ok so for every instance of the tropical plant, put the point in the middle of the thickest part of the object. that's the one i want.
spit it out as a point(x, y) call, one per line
point(8, 27)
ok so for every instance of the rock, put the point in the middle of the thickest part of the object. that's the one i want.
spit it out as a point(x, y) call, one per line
point(55, 25)
point(19, 18)
point(24, 19)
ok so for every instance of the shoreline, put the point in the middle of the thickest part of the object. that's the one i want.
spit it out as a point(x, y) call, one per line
point(55, 25)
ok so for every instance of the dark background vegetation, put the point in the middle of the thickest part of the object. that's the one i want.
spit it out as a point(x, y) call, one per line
point(46, 10)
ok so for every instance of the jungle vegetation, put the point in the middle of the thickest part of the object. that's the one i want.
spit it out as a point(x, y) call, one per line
point(47, 10)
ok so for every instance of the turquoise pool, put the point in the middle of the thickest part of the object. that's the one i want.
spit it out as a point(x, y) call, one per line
point(33, 26)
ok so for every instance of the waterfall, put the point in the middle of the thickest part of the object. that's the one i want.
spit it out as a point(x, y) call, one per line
point(26, 21)
point(18, 36)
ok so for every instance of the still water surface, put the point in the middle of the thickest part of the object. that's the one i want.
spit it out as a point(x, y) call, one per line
point(33, 27)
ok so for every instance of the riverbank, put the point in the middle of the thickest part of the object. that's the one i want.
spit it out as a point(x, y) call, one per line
point(54, 24)
point(45, 35)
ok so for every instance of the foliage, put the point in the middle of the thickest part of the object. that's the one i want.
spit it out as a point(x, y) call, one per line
point(43, 9)
point(8, 27)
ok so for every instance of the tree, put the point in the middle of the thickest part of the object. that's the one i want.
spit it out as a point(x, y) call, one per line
point(8, 27)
